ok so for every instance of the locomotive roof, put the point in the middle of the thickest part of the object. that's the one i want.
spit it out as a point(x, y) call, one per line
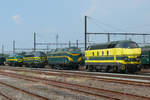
point(109, 44)
point(145, 49)
point(34, 53)
point(63, 49)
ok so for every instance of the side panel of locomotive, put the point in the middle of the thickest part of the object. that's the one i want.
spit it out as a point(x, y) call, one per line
point(111, 57)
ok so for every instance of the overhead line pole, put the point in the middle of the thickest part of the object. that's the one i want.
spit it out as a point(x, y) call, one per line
point(2, 50)
point(57, 36)
point(14, 46)
point(77, 43)
point(34, 41)
point(69, 44)
point(108, 37)
point(85, 34)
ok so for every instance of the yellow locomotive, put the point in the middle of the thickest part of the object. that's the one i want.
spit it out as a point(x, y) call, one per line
point(116, 56)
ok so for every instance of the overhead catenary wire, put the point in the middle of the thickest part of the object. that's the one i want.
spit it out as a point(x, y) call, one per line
point(111, 33)
point(104, 24)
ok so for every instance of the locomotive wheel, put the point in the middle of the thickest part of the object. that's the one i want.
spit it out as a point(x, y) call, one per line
point(115, 68)
point(10, 64)
point(26, 65)
point(89, 68)
point(20, 65)
point(106, 69)
point(58, 67)
point(76, 67)
point(126, 70)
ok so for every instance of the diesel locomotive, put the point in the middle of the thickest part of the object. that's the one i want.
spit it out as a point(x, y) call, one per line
point(14, 60)
point(35, 59)
point(66, 58)
point(116, 56)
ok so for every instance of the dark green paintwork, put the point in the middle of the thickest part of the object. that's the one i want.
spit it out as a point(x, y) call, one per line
point(145, 57)
point(60, 56)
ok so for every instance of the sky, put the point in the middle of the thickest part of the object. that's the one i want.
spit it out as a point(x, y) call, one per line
point(19, 19)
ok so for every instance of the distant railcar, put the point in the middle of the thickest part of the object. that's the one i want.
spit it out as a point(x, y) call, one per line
point(14, 60)
point(145, 58)
point(35, 59)
point(2, 60)
point(83, 58)
point(66, 58)
point(116, 56)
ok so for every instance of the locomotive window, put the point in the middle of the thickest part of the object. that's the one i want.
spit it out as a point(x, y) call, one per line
point(107, 53)
point(97, 53)
point(127, 45)
point(37, 54)
point(65, 49)
point(70, 49)
point(93, 53)
point(43, 54)
point(133, 45)
point(77, 49)
point(29, 55)
point(74, 49)
point(111, 45)
point(102, 53)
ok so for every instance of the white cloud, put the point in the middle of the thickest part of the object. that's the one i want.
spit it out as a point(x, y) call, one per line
point(17, 19)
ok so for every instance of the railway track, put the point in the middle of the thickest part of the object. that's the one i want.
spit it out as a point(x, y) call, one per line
point(107, 94)
point(5, 96)
point(145, 70)
point(105, 77)
point(23, 91)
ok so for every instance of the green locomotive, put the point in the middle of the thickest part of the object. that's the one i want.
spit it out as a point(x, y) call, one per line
point(145, 58)
point(2, 60)
point(14, 60)
point(35, 59)
point(66, 58)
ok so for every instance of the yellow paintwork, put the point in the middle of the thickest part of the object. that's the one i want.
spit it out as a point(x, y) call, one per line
point(34, 58)
point(16, 60)
point(114, 52)
point(79, 59)
point(69, 58)
point(73, 54)
point(12, 60)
